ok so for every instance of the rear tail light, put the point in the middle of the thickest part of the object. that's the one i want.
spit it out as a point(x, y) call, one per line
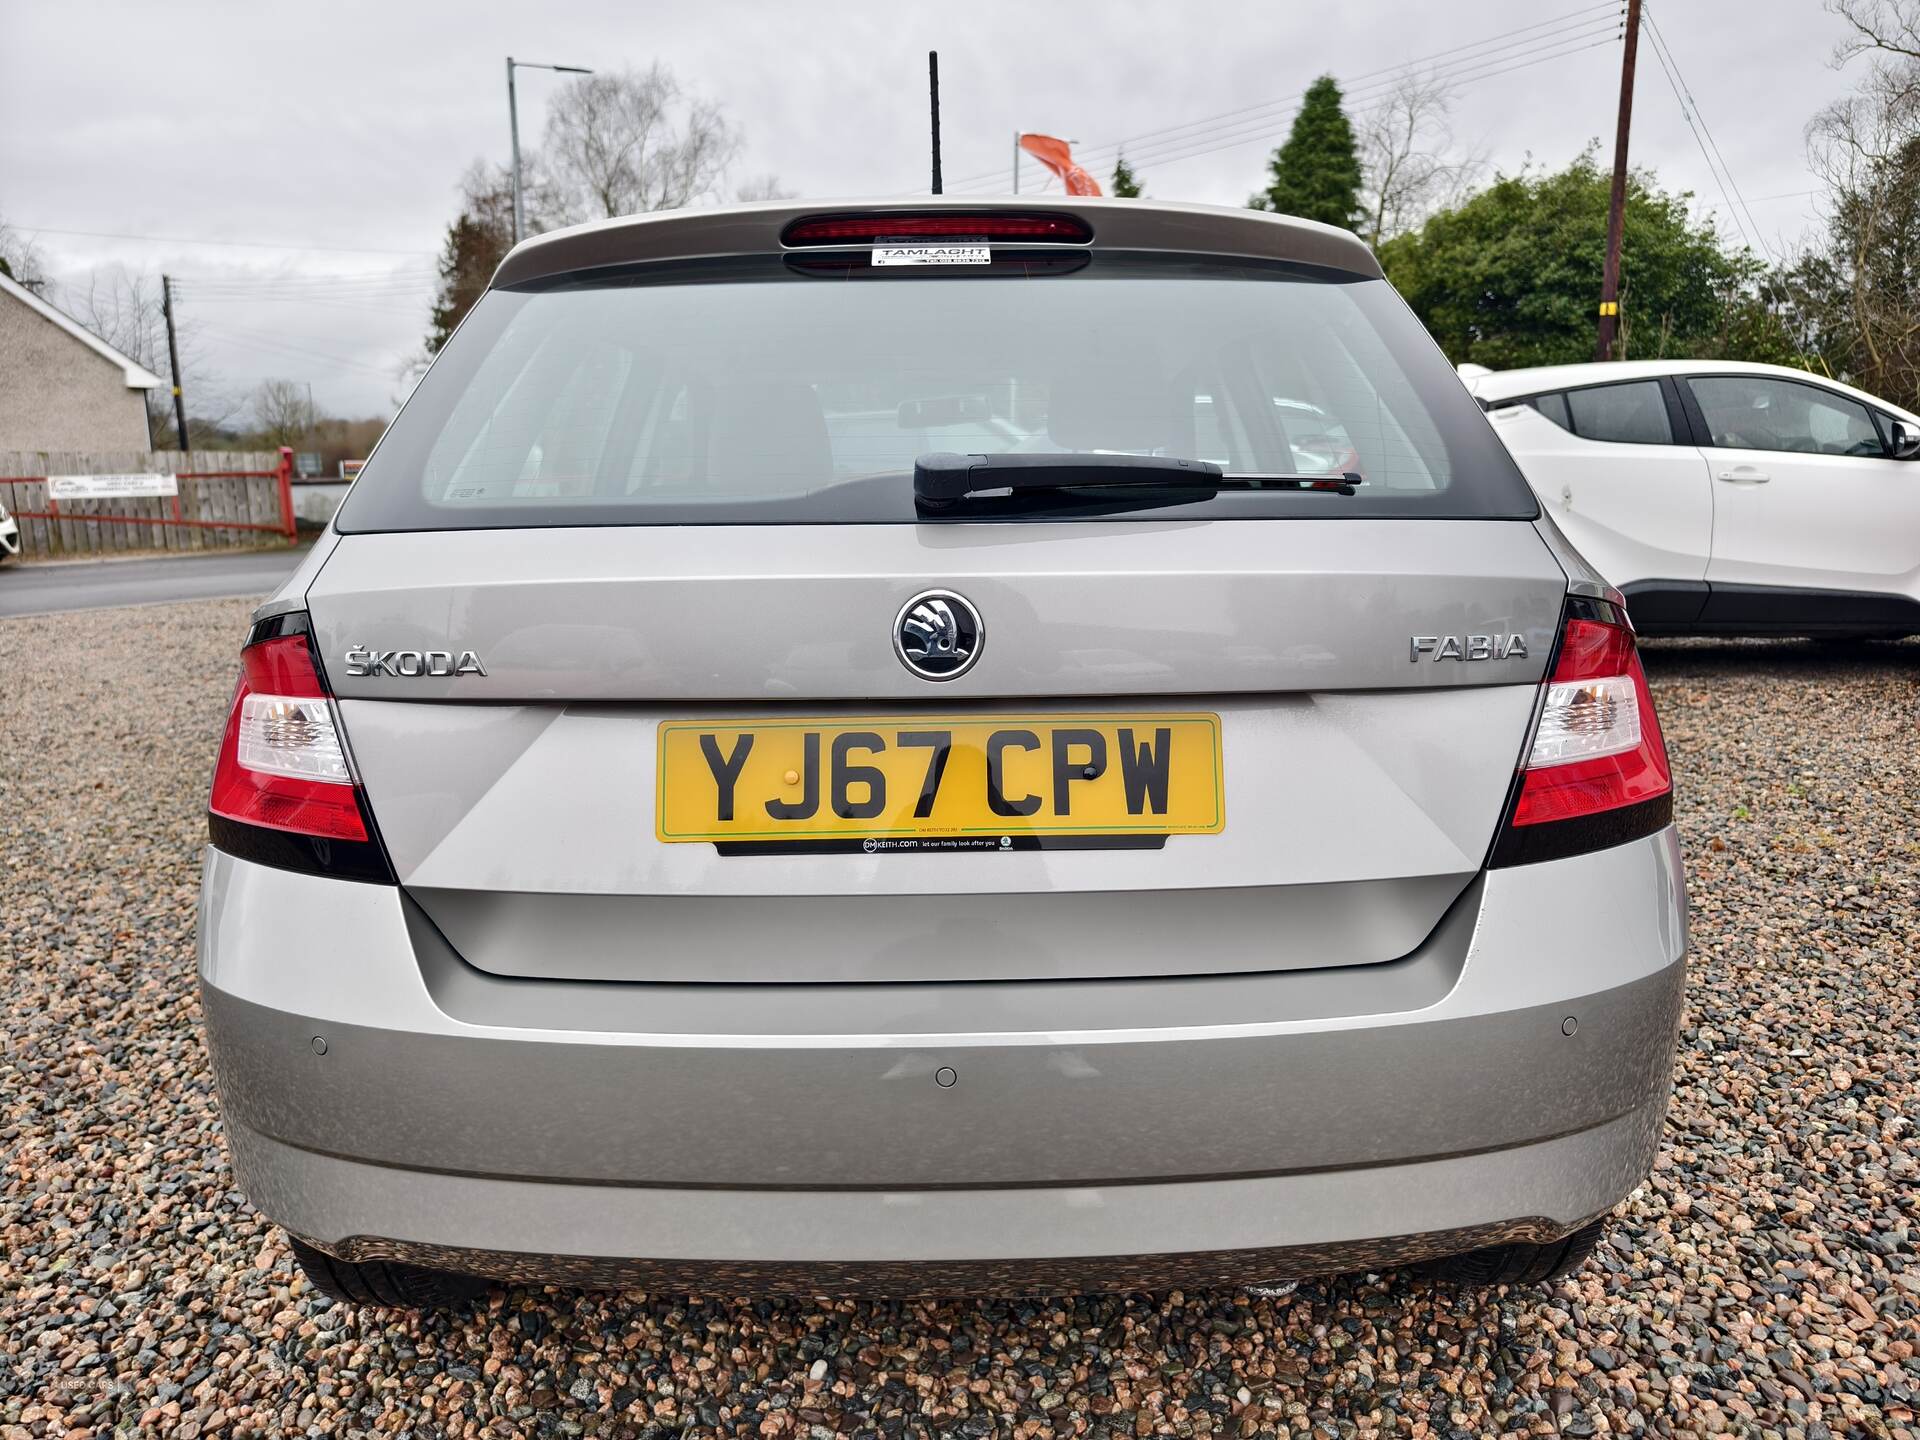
point(1038, 229)
point(283, 793)
point(1596, 771)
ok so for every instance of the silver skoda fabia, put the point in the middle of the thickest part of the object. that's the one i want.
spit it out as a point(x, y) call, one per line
point(939, 747)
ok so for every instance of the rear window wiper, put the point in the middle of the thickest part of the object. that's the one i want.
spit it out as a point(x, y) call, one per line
point(942, 479)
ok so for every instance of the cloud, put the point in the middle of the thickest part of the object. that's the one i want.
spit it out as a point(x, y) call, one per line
point(349, 124)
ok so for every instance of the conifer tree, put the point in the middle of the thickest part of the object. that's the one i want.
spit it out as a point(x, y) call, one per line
point(1316, 173)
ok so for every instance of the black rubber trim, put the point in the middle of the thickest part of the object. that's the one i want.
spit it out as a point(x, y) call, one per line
point(1678, 421)
point(1522, 1262)
point(1661, 607)
point(1585, 607)
point(1696, 417)
point(309, 854)
point(275, 627)
point(1703, 607)
point(949, 844)
point(1790, 610)
point(391, 1283)
point(1558, 839)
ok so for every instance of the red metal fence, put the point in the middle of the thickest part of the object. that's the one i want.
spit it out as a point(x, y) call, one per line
point(212, 508)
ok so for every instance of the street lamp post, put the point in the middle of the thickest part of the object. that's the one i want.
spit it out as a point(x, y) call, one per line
point(513, 123)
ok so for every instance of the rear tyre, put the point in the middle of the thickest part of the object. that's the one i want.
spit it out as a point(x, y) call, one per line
point(1521, 1263)
point(391, 1283)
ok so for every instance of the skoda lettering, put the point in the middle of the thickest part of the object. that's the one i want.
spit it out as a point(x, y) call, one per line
point(411, 664)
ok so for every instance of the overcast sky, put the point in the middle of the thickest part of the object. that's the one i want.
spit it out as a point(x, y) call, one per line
point(344, 127)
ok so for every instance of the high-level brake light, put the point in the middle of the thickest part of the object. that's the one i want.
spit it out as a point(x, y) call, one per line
point(945, 225)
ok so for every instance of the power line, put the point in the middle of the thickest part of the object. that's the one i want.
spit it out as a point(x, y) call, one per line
point(1257, 112)
point(255, 279)
point(1466, 57)
point(312, 279)
point(373, 306)
point(1470, 71)
point(293, 297)
point(1364, 88)
point(243, 244)
point(254, 340)
point(1468, 75)
point(1703, 137)
point(1662, 45)
point(369, 297)
point(1263, 135)
point(289, 290)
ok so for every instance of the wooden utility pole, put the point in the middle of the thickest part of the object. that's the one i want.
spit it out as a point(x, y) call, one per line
point(1617, 205)
point(173, 359)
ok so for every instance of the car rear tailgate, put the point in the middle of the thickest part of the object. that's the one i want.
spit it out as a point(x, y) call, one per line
point(1361, 780)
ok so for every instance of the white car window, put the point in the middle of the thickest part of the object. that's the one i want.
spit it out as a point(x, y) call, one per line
point(1632, 414)
point(1554, 407)
point(1753, 412)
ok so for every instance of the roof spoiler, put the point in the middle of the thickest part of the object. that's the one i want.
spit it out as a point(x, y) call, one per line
point(763, 230)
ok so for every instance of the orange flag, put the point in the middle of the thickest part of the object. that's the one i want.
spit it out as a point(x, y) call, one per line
point(1057, 157)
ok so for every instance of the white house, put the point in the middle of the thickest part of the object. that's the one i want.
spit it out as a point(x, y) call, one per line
point(61, 386)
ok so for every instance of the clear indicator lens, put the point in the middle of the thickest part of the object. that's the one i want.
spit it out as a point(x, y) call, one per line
point(287, 735)
point(1585, 719)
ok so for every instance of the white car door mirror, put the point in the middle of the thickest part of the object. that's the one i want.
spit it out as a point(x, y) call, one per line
point(1905, 440)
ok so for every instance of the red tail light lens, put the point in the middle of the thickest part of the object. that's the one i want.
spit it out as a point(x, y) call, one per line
point(281, 763)
point(944, 225)
point(1596, 771)
point(283, 793)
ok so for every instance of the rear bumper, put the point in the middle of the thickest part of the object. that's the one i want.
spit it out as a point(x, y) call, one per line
point(1095, 1134)
point(1037, 1240)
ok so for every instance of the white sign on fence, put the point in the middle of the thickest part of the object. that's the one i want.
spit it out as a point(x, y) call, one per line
point(110, 487)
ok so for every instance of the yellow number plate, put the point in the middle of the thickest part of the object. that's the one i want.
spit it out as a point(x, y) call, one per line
point(939, 775)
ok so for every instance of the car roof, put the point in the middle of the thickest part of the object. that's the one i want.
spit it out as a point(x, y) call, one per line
point(1506, 384)
point(755, 229)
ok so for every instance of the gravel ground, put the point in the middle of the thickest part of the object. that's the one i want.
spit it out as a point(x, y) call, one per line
point(1763, 1282)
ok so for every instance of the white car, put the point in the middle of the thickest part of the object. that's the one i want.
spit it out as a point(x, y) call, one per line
point(9, 534)
point(1724, 498)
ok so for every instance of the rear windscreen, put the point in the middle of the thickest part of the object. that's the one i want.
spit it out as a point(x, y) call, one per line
point(750, 392)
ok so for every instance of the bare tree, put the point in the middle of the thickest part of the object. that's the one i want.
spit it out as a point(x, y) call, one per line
point(762, 187)
point(20, 259)
point(282, 411)
point(1864, 290)
point(1889, 27)
point(625, 141)
point(1883, 114)
point(1408, 158)
point(1885, 109)
point(335, 438)
point(124, 308)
